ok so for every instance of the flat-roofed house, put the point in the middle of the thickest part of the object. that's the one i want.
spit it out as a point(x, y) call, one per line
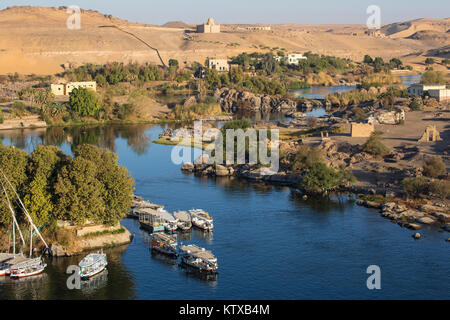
point(419, 88)
point(294, 58)
point(221, 65)
point(64, 89)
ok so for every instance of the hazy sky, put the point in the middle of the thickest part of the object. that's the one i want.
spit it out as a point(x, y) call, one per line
point(254, 11)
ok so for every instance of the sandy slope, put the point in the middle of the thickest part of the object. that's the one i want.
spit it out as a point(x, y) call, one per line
point(36, 40)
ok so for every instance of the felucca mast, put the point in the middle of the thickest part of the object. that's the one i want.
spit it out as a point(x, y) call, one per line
point(25, 210)
point(15, 224)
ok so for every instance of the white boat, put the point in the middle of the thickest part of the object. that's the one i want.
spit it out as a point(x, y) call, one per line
point(170, 222)
point(92, 264)
point(198, 258)
point(164, 244)
point(201, 219)
point(184, 220)
point(17, 265)
point(27, 268)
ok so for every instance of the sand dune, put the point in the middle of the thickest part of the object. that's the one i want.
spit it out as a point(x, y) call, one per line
point(37, 40)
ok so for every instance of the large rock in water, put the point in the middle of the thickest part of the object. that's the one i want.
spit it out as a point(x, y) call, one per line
point(188, 166)
point(222, 171)
point(232, 100)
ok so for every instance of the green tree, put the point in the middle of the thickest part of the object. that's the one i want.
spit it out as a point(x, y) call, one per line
point(79, 194)
point(429, 61)
point(368, 59)
point(13, 163)
point(320, 178)
point(43, 97)
point(84, 102)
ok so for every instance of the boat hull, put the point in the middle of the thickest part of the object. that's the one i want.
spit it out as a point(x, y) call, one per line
point(28, 274)
point(198, 267)
point(152, 229)
point(89, 276)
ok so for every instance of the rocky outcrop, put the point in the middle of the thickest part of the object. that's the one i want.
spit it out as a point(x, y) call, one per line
point(232, 100)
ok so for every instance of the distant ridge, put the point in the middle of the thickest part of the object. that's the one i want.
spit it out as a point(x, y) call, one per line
point(177, 25)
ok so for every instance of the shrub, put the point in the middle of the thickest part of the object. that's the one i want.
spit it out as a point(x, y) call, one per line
point(433, 77)
point(415, 187)
point(433, 167)
point(305, 158)
point(415, 105)
point(238, 124)
point(374, 146)
point(18, 108)
point(440, 188)
point(322, 178)
point(359, 114)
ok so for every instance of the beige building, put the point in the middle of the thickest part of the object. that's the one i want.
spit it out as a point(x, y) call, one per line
point(67, 88)
point(209, 27)
point(294, 58)
point(362, 130)
point(221, 65)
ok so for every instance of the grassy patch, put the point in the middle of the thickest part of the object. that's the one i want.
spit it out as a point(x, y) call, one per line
point(104, 233)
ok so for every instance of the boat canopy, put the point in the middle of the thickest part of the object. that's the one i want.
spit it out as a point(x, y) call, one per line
point(196, 251)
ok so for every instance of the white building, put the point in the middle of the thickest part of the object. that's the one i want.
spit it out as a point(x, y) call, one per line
point(67, 88)
point(219, 64)
point(294, 58)
point(437, 91)
point(419, 89)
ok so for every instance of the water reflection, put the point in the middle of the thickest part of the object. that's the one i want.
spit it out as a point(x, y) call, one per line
point(136, 136)
point(96, 282)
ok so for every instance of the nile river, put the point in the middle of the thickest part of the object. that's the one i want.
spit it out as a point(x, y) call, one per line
point(270, 243)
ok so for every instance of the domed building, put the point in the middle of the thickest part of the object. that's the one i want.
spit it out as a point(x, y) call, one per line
point(209, 27)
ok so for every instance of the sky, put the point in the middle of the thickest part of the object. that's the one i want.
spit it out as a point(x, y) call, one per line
point(254, 11)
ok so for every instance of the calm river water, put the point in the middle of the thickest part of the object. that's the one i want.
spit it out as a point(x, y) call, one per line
point(270, 244)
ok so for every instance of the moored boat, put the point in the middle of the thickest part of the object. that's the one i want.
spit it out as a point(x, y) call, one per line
point(28, 268)
point(165, 244)
point(92, 265)
point(150, 220)
point(184, 220)
point(198, 258)
point(169, 221)
point(201, 219)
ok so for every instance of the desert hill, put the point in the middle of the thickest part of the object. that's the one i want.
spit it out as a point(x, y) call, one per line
point(420, 27)
point(37, 40)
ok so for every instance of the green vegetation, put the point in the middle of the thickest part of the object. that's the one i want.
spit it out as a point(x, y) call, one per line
point(429, 61)
point(237, 124)
point(84, 102)
point(415, 105)
point(104, 233)
point(18, 109)
point(433, 77)
point(305, 158)
point(355, 97)
point(433, 167)
point(321, 178)
point(91, 185)
point(420, 187)
point(359, 114)
point(208, 106)
point(374, 145)
point(380, 66)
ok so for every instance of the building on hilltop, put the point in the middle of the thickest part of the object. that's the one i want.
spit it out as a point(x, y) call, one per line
point(221, 65)
point(64, 89)
point(209, 27)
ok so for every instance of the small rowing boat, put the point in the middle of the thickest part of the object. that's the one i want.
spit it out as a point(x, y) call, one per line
point(92, 264)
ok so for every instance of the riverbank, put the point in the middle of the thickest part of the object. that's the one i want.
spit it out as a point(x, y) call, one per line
point(74, 240)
